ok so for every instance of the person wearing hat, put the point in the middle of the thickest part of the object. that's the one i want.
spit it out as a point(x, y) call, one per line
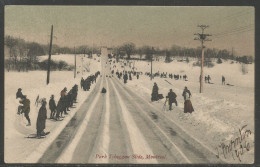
point(186, 90)
point(19, 93)
point(172, 99)
point(41, 119)
point(52, 107)
point(26, 108)
point(81, 82)
point(63, 92)
point(125, 77)
point(188, 108)
point(155, 92)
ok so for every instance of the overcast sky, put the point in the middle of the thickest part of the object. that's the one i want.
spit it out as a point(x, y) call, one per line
point(113, 25)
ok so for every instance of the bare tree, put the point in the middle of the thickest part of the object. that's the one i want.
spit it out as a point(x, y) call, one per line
point(11, 43)
point(129, 48)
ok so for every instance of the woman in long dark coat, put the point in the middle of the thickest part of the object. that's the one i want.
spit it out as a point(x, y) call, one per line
point(155, 92)
point(188, 108)
point(41, 119)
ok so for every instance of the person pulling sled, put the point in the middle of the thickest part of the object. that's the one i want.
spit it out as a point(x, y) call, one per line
point(172, 99)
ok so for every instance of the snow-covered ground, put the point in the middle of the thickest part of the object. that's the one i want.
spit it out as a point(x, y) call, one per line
point(33, 83)
point(220, 111)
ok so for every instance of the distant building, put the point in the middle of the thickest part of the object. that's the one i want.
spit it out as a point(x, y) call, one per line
point(104, 51)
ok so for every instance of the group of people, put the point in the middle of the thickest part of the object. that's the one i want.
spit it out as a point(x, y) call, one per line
point(207, 79)
point(65, 102)
point(86, 83)
point(171, 98)
point(165, 74)
point(127, 75)
point(177, 77)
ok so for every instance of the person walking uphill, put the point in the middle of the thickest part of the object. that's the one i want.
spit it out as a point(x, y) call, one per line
point(125, 78)
point(223, 80)
point(52, 107)
point(172, 99)
point(188, 108)
point(155, 92)
point(26, 109)
point(41, 119)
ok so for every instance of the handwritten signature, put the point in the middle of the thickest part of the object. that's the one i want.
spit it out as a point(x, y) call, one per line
point(237, 146)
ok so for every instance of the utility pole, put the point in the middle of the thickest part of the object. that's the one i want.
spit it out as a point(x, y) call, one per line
point(152, 64)
point(202, 38)
point(75, 63)
point(92, 49)
point(49, 60)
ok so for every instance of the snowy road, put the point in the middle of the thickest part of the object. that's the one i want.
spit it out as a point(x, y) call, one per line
point(121, 127)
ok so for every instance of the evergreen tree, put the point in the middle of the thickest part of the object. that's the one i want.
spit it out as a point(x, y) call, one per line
point(167, 57)
point(219, 61)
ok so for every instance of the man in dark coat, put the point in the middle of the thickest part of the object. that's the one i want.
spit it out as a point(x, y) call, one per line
point(26, 109)
point(19, 93)
point(130, 77)
point(66, 103)
point(223, 80)
point(81, 82)
point(75, 93)
point(120, 75)
point(209, 79)
point(41, 119)
point(59, 109)
point(88, 84)
point(172, 99)
point(125, 78)
point(155, 92)
point(52, 106)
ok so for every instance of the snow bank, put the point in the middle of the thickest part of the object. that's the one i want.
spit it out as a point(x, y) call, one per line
point(220, 111)
point(33, 83)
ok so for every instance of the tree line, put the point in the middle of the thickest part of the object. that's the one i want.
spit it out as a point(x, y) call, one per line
point(23, 55)
point(147, 52)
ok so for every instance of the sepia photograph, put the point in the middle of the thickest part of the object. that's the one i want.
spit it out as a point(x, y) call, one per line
point(129, 84)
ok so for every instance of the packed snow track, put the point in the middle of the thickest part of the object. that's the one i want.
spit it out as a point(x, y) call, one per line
point(120, 127)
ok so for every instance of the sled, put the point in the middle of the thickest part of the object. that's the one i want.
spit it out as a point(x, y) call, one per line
point(229, 84)
point(34, 136)
point(103, 90)
point(53, 119)
point(57, 120)
point(160, 96)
